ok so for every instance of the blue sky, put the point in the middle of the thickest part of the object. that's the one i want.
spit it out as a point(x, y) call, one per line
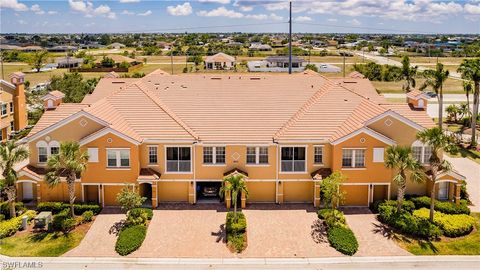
point(374, 16)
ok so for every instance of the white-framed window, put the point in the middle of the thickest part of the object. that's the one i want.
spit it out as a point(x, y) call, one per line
point(318, 154)
point(257, 155)
point(378, 154)
point(92, 154)
point(53, 148)
point(152, 154)
point(421, 152)
point(11, 107)
point(3, 109)
point(118, 158)
point(353, 158)
point(12, 126)
point(179, 159)
point(42, 150)
point(214, 155)
point(293, 159)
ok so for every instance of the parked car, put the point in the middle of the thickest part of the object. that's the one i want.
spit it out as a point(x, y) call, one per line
point(210, 191)
point(431, 94)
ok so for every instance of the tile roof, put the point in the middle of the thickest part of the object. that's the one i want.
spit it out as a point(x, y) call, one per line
point(414, 94)
point(362, 87)
point(220, 57)
point(55, 94)
point(233, 108)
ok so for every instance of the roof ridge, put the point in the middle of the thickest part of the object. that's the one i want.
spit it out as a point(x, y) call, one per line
point(165, 108)
point(310, 101)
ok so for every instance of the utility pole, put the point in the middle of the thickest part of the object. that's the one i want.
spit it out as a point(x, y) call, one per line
point(171, 58)
point(290, 41)
point(1, 59)
point(344, 64)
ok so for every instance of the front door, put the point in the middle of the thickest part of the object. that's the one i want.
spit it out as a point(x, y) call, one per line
point(27, 191)
point(443, 191)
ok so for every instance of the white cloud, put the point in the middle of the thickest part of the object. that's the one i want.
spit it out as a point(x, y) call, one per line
point(272, 16)
point(36, 8)
point(87, 8)
point(354, 22)
point(52, 12)
point(146, 13)
point(332, 20)
point(129, 1)
point(180, 10)
point(22, 22)
point(302, 19)
point(220, 12)
point(126, 12)
point(13, 4)
point(472, 9)
point(224, 2)
point(243, 7)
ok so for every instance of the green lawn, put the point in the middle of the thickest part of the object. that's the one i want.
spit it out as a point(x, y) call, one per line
point(467, 245)
point(40, 244)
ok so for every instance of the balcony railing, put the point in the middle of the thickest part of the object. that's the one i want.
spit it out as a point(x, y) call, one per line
point(293, 165)
point(178, 165)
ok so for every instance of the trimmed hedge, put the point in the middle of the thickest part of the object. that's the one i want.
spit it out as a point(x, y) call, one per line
point(407, 205)
point(11, 226)
point(87, 216)
point(343, 240)
point(408, 223)
point(5, 209)
point(236, 231)
point(137, 216)
point(332, 217)
point(59, 219)
point(79, 208)
point(452, 225)
point(441, 206)
point(130, 239)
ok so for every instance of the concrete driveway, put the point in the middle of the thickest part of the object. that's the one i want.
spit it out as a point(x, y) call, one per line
point(471, 170)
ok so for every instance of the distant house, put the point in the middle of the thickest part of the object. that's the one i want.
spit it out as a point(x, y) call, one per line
point(62, 48)
point(118, 59)
point(260, 47)
point(116, 45)
point(283, 60)
point(68, 62)
point(31, 48)
point(220, 61)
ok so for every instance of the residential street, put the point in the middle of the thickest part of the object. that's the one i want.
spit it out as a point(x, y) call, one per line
point(341, 263)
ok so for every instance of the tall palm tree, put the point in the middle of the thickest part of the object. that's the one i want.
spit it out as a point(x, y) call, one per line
point(401, 160)
point(439, 142)
point(70, 161)
point(467, 87)
point(10, 154)
point(408, 74)
point(470, 69)
point(235, 184)
point(435, 79)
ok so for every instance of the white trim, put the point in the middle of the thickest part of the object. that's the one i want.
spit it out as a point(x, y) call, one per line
point(8, 84)
point(257, 156)
point(397, 116)
point(52, 97)
point(214, 156)
point(165, 147)
point(446, 180)
point(148, 155)
point(104, 132)
point(65, 121)
point(166, 141)
point(367, 131)
point(26, 181)
point(279, 157)
point(452, 173)
point(118, 159)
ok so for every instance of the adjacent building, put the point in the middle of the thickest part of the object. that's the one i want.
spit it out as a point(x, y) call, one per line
point(175, 137)
point(13, 111)
point(220, 61)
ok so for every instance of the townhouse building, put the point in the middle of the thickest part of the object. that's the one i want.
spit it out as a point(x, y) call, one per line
point(175, 137)
point(13, 109)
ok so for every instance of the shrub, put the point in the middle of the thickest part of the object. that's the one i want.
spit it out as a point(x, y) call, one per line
point(80, 208)
point(136, 216)
point(58, 219)
point(68, 225)
point(236, 231)
point(87, 216)
point(129, 199)
point(406, 205)
point(5, 208)
point(2, 217)
point(11, 226)
point(148, 211)
point(408, 223)
point(334, 218)
point(444, 207)
point(343, 240)
point(452, 225)
point(130, 239)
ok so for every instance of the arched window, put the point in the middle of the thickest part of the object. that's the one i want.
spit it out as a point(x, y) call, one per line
point(42, 150)
point(421, 152)
point(54, 147)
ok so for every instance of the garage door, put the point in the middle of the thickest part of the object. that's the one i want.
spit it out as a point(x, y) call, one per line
point(261, 191)
point(380, 192)
point(298, 191)
point(110, 193)
point(355, 195)
point(173, 191)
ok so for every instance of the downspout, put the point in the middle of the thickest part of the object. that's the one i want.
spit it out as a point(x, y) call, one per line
point(194, 174)
point(276, 171)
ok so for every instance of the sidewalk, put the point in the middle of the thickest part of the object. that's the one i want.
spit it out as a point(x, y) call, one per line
point(371, 263)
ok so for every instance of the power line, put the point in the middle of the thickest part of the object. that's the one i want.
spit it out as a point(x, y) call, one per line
point(200, 27)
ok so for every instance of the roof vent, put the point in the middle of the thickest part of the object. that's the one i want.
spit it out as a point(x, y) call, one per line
point(157, 84)
point(183, 86)
point(118, 82)
point(215, 78)
point(345, 100)
point(255, 78)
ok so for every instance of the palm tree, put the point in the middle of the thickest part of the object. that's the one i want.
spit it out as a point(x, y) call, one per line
point(467, 87)
point(470, 69)
point(452, 112)
point(10, 154)
point(408, 74)
point(439, 142)
point(401, 160)
point(235, 184)
point(70, 161)
point(435, 79)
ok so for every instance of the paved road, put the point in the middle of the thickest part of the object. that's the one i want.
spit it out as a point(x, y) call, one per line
point(341, 263)
point(471, 170)
point(386, 61)
point(446, 97)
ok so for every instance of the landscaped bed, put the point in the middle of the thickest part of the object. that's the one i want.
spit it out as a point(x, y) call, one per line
point(339, 235)
point(133, 231)
point(236, 232)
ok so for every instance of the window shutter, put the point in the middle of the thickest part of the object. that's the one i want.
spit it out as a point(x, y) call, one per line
point(92, 154)
point(378, 154)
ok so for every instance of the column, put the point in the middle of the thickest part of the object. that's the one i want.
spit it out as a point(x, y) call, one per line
point(154, 195)
point(316, 195)
point(244, 200)
point(191, 193)
point(39, 193)
point(458, 188)
point(279, 192)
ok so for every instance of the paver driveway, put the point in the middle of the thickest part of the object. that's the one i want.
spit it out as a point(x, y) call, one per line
point(471, 170)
